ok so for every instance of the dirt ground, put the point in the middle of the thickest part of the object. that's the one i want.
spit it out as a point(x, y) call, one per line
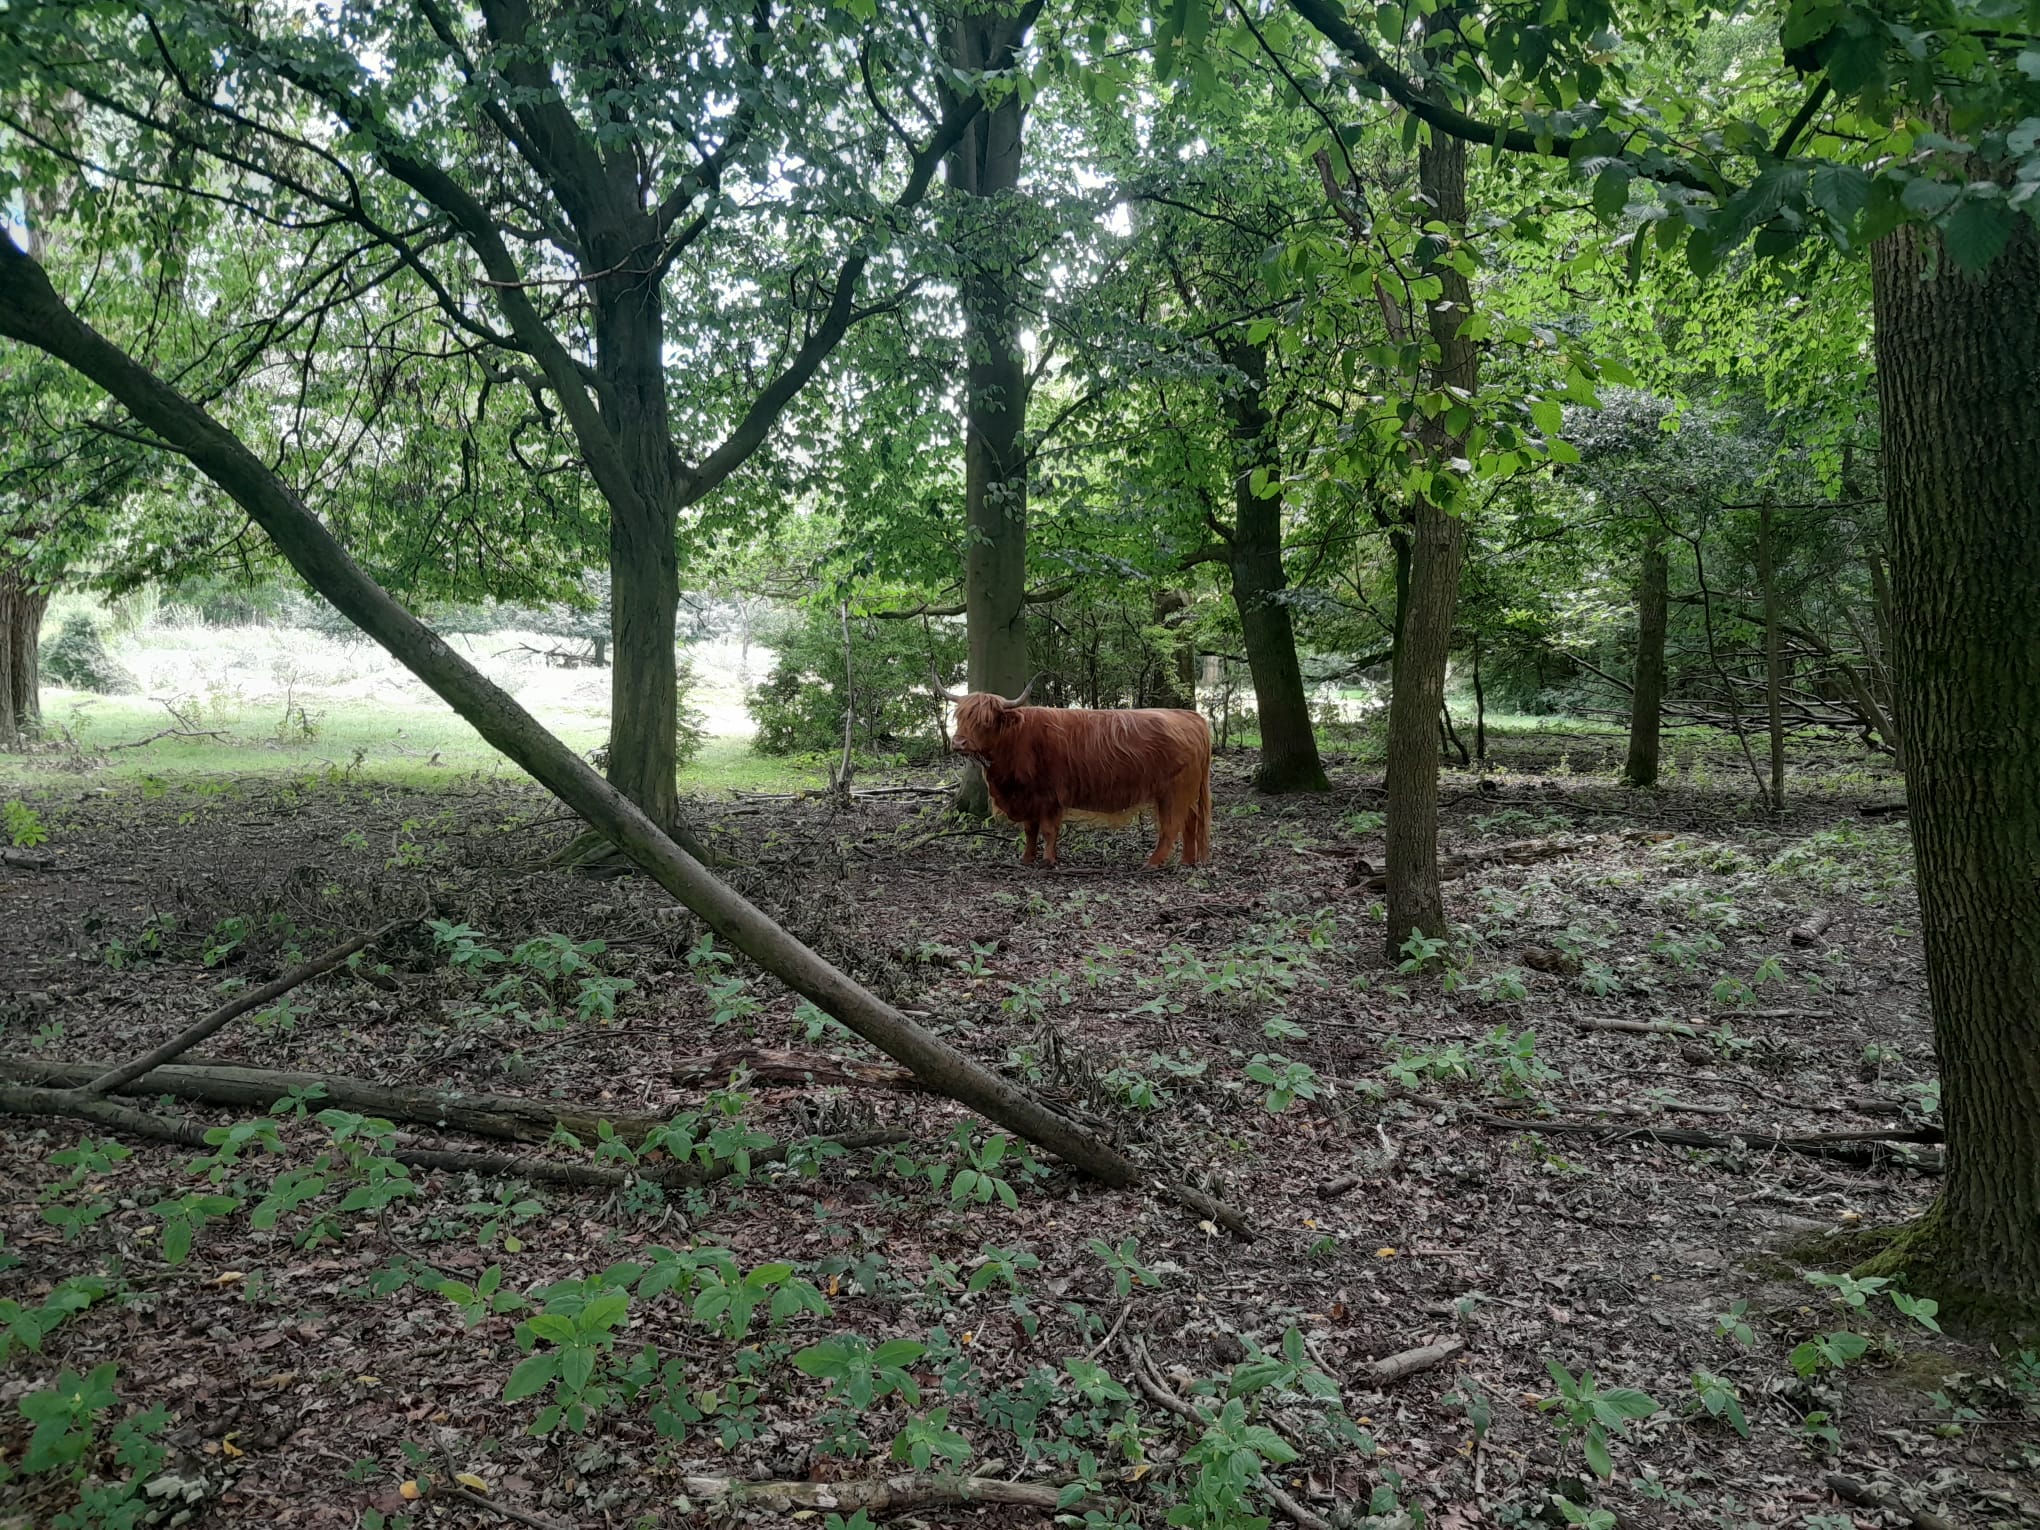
point(1237, 1025)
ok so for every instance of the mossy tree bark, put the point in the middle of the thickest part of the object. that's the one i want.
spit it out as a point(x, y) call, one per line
point(1958, 371)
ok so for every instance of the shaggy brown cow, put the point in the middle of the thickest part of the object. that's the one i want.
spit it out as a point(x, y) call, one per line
point(1048, 764)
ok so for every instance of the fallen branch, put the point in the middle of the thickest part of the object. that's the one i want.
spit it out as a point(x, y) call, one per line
point(137, 743)
point(26, 860)
point(1866, 1496)
point(1637, 1027)
point(1400, 1367)
point(876, 1495)
point(792, 1068)
point(1367, 879)
point(17, 1100)
point(255, 998)
point(1810, 929)
point(502, 1117)
point(1848, 1147)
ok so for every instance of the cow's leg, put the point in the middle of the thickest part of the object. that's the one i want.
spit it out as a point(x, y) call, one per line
point(1033, 840)
point(1051, 827)
point(1168, 825)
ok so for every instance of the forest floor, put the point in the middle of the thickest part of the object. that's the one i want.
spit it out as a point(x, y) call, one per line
point(1238, 1025)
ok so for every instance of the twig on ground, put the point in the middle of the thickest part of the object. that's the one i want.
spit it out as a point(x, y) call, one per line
point(255, 998)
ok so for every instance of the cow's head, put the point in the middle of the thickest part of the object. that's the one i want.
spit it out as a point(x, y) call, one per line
point(981, 718)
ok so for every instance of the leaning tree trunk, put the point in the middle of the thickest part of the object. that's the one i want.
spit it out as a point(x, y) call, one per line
point(1647, 693)
point(1289, 754)
point(985, 169)
point(1774, 669)
point(1958, 373)
point(1424, 628)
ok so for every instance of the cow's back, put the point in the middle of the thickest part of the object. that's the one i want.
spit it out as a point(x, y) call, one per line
point(1107, 763)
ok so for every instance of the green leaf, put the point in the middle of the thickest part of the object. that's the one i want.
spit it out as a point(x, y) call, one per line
point(1596, 1447)
point(1627, 1402)
point(531, 1377)
point(1611, 193)
point(1927, 196)
point(1977, 231)
point(1547, 415)
point(1840, 191)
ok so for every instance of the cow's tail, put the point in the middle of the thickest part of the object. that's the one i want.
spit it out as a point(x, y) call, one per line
point(1197, 832)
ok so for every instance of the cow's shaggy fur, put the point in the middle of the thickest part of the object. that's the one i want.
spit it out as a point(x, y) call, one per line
point(1045, 765)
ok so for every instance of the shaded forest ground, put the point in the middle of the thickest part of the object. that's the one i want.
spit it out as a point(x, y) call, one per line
point(1238, 1024)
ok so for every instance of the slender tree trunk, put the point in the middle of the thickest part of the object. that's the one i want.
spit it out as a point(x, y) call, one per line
point(1479, 707)
point(985, 169)
point(1647, 693)
point(1289, 754)
point(1774, 669)
point(1424, 636)
point(1177, 683)
point(1958, 373)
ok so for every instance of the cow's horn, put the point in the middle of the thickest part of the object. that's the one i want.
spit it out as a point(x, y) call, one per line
point(1025, 691)
point(941, 690)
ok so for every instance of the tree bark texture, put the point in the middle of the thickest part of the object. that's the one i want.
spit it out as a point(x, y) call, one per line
point(1958, 374)
point(1424, 636)
point(21, 613)
point(31, 311)
point(1176, 677)
point(1289, 754)
point(984, 168)
point(644, 560)
point(1647, 694)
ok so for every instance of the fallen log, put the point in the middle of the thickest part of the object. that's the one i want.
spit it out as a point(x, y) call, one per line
point(501, 1117)
point(873, 1495)
point(1865, 1495)
point(1637, 1027)
point(1399, 1367)
point(1810, 929)
point(18, 1100)
point(1364, 876)
point(1861, 1148)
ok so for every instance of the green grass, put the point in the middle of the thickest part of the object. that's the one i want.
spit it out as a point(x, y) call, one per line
point(415, 743)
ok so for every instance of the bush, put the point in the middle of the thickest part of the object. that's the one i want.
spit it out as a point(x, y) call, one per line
point(691, 731)
point(77, 657)
point(798, 707)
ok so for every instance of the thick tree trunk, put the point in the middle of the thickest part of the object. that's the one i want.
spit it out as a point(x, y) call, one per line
point(1289, 754)
point(985, 167)
point(21, 614)
point(1647, 693)
point(1424, 629)
point(1958, 373)
point(1774, 668)
point(644, 561)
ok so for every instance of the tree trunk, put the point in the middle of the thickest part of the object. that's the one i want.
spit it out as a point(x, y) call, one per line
point(1424, 629)
point(1647, 694)
point(644, 562)
point(1774, 669)
point(1479, 707)
point(1176, 684)
point(1958, 373)
point(21, 614)
point(985, 169)
point(1289, 755)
